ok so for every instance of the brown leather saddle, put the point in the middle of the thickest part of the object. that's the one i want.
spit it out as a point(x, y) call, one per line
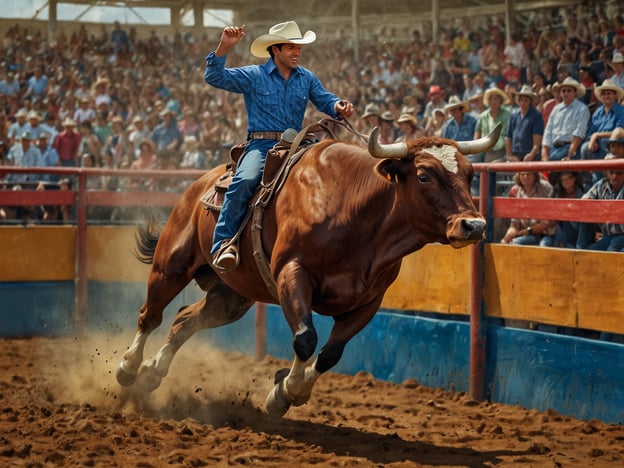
point(282, 156)
point(280, 160)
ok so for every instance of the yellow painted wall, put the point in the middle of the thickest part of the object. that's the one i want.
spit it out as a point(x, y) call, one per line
point(556, 286)
point(110, 253)
point(434, 279)
point(36, 253)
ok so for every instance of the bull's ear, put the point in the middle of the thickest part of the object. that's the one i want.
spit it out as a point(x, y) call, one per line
point(392, 170)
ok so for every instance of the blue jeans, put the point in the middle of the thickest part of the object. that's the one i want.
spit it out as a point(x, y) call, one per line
point(240, 192)
point(608, 243)
point(526, 240)
point(592, 177)
point(557, 154)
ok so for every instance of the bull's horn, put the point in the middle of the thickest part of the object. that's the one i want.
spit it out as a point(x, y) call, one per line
point(392, 150)
point(482, 144)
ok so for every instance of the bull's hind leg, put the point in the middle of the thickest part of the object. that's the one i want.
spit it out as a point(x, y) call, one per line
point(220, 307)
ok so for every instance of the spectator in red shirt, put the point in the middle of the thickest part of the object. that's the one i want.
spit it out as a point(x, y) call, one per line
point(67, 144)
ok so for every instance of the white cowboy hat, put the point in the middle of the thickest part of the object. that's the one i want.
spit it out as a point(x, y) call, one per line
point(572, 83)
point(453, 103)
point(617, 58)
point(495, 91)
point(527, 91)
point(609, 85)
point(283, 33)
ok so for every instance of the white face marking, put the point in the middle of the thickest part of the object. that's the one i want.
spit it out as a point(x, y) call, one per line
point(446, 155)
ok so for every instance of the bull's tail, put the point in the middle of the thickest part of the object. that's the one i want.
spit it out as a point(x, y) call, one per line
point(147, 236)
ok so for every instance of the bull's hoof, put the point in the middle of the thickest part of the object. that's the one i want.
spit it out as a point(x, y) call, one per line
point(148, 379)
point(124, 377)
point(276, 404)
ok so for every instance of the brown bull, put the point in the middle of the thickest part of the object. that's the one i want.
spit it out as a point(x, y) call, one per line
point(335, 235)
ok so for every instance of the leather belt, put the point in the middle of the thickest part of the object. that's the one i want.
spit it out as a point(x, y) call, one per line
point(559, 144)
point(264, 135)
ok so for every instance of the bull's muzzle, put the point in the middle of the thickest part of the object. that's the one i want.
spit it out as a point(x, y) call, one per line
point(464, 231)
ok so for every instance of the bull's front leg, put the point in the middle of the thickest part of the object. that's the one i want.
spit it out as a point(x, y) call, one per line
point(295, 386)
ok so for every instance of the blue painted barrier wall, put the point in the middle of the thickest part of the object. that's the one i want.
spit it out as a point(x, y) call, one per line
point(574, 376)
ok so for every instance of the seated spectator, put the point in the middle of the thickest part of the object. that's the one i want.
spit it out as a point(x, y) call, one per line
point(409, 128)
point(193, 157)
point(18, 127)
point(24, 154)
point(387, 131)
point(528, 231)
point(586, 79)
point(567, 125)
point(607, 117)
point(371, 117)
point(436, 123)
point(461, 125)
point(495, 114)
point(565, 185)
point(85, 112)
point(166, 136)
point(67, 144)
point(49, 155)
point(617, 65)
point(435, 100)
point(526, 128)
point(606, 236)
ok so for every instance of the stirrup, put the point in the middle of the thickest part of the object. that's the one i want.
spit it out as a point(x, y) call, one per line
point(226, 258)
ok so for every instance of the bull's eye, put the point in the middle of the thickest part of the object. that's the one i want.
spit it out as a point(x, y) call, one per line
point(424, 178)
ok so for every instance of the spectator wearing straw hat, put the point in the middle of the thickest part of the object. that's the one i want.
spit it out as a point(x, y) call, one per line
point(67, 144)
point(523, 139)
point(496, 113)
point(461, 125)
point(25, 154)
point(567, 125)
point(34, 124)
point(371, 116)
point(387, 130)
point(607, 117)
point(18, 127)
point(409, 128)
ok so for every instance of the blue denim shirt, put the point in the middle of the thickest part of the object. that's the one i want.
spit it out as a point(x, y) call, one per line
point(460, 132)
point(273, 103)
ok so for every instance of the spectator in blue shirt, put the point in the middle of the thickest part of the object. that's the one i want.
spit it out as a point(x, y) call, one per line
point(49, 155)
point(461, 125)
point(37, 83)
point(167, 136)
point(606, 118)
point(276, 94)
point(567, 125)
point(526, 128)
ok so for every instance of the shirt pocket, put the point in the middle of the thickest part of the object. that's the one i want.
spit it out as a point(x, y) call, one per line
point(267, 100)
point(299, 101)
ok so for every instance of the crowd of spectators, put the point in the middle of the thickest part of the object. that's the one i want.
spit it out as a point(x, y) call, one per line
point(115, 100)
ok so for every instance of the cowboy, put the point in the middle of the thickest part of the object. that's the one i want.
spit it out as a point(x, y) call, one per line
point(567, 125)
point(273, 94)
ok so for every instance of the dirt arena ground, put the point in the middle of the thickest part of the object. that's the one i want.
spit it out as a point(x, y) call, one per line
point(61, 406)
